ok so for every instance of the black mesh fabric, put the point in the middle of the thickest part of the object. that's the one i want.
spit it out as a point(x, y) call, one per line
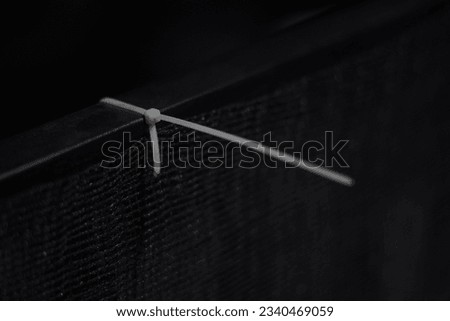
point(233, 233)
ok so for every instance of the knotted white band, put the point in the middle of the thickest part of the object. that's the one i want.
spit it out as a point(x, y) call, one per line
point(152, 116)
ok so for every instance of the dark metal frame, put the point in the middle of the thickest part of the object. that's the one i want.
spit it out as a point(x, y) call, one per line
point(48, 151)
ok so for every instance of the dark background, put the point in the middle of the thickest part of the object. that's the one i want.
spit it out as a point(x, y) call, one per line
point(82, 232)
point(62, 56)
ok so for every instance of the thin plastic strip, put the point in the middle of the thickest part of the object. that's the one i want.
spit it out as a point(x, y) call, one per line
point(152, 116)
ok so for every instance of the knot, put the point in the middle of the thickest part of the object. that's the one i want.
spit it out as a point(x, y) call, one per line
point(152, 116)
